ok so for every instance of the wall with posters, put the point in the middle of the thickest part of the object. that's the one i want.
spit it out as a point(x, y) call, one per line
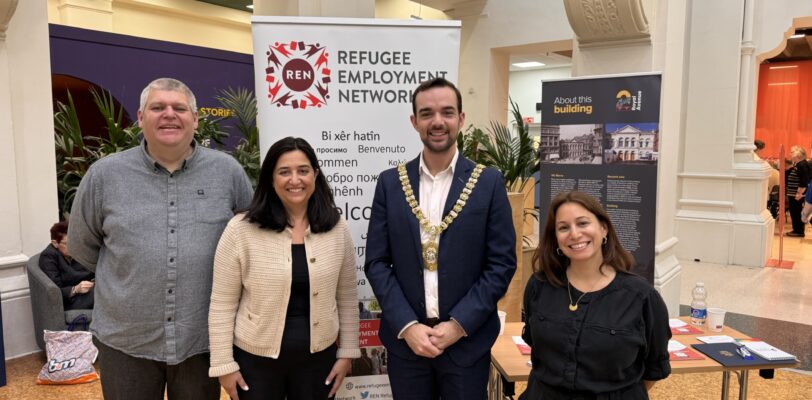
point(601, 136)
point(345, 86)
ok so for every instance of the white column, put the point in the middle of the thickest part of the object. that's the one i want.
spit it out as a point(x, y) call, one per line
point(722, 216)
point(28, 206)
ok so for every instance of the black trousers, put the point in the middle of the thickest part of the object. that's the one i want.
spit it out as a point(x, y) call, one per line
point(795, 208)
point(296, 375)
point(438, 378)
point(124, 377)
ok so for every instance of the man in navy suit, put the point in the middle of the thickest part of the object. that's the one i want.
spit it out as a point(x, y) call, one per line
point(440, 254)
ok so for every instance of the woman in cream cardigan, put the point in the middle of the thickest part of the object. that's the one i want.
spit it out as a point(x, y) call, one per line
point(284, 289)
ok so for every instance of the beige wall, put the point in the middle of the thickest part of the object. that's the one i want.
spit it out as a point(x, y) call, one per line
point(489, 35)
point(196, 23)
point(180, 21)
point(404, 9)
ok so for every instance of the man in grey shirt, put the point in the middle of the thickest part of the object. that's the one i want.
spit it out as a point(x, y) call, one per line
point(148, 220)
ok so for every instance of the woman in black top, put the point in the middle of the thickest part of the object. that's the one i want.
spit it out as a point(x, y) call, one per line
point(74, 280)
point(797, 180)
point(596, 330)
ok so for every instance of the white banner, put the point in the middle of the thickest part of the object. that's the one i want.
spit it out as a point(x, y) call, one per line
point(345, 86)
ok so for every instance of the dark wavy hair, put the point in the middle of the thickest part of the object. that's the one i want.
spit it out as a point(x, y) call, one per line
point(550, 264)
point(59, 230)
point(436, 83)
point(266, 208)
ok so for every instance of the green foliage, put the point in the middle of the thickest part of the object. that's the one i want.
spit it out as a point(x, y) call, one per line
point(243, 104)
point(514, 155)
point(208, 131)
point(76, 152)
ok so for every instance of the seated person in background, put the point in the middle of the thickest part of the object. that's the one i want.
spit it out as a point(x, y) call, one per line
point(75, 281)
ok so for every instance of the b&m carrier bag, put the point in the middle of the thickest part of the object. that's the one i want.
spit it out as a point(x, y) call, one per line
point(70, 358)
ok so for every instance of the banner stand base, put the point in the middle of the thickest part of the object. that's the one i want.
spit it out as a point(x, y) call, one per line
point(783, 264)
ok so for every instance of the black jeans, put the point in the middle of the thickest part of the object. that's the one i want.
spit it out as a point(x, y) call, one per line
point(124, 377)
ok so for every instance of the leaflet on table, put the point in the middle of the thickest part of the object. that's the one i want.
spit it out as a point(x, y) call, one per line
point(716, 339)
point(524, 348)
point(685, 330)
point(680, 327)
point(674, 345)
point(679, 352)
point(767, 351)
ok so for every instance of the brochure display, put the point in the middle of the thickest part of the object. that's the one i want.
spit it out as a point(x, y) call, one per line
point(725, 354)
point(601, 136)
point(345, 86)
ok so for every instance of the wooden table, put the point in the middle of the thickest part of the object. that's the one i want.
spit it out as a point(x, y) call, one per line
point(508, 363)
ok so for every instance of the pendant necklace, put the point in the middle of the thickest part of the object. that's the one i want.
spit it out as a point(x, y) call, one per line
point(574, 306)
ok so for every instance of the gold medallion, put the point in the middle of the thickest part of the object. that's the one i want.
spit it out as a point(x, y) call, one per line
point(431, 248)
point(430, 255)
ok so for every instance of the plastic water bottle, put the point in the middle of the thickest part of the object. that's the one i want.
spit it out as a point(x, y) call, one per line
point(698, 307)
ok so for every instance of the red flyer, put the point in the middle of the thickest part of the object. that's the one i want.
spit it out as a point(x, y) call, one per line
point(684, 354)
point(685, 330)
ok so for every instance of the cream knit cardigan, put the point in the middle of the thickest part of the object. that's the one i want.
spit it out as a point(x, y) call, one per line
point(251, 289)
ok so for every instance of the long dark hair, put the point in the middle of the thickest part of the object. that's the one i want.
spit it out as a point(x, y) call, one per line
point(552, 265)
point(266, 208)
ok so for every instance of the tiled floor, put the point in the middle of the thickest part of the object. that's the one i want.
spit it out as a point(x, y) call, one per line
point(782, 294)
point(772, 304)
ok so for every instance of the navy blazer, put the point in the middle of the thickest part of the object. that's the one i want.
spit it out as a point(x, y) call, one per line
point(477, 259)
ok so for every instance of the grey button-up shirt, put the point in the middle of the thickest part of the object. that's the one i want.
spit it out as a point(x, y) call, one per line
point(150, 236)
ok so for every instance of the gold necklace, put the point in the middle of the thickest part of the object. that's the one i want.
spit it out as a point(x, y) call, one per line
point(432, 246)
point(574, 307)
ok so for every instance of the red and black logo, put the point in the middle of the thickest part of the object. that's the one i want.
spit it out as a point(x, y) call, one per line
point(297, 75)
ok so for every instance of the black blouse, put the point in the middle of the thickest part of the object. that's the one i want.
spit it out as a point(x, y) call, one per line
point(299, 302)
point(617, 338)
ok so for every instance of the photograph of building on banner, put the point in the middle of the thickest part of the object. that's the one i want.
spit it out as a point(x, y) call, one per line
point(571, 144)
point(601, 136)
point(632, 143)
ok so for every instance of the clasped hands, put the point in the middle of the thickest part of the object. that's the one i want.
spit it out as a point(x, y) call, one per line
point(82, 287)
point(431, 342)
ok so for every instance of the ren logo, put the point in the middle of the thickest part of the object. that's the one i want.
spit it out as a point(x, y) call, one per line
point(54, 365)
point(297, 75)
